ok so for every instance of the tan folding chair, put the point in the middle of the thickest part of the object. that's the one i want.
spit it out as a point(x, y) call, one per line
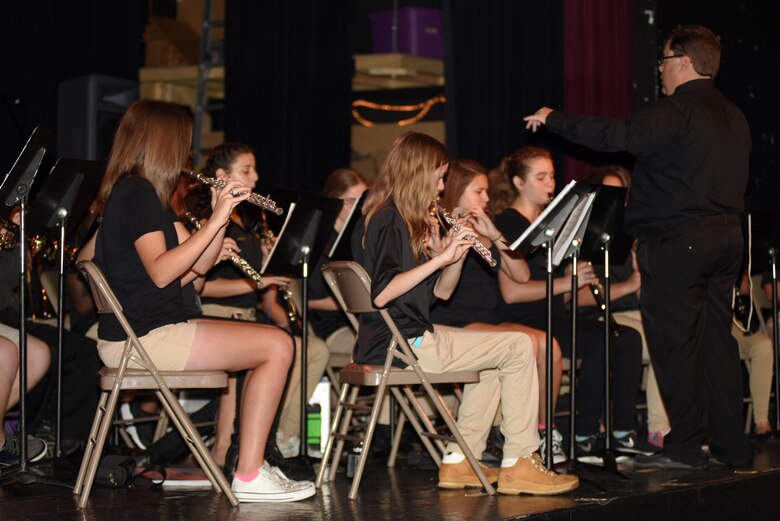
point(352, 288)
point(113, 381)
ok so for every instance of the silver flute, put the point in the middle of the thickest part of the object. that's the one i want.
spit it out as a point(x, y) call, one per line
point(256, 199)
point(240, 262)
point(476, 244)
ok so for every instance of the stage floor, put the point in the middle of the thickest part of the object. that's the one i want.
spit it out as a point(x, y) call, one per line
point(411, 494)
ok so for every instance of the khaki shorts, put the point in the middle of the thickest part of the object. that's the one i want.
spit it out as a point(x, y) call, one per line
point(168, 346)
point(218, 310)
point(10, 333)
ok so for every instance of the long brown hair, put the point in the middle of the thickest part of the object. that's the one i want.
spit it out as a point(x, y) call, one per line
point(407, 176)
point(503, 191)
point(459, 175)
point(153, 141)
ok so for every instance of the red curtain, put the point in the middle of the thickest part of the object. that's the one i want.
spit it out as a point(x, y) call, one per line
point(598, 66)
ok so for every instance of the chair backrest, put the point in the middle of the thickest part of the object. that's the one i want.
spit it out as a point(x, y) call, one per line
point(107, 302)
point(352, 286)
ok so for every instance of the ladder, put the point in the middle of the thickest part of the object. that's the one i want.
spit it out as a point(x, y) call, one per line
point(202, 107)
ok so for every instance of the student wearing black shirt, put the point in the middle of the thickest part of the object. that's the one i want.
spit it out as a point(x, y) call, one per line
point(410, 266)
point(139, 251)
point(692, 151)
point(477, 300)
point(524, 185)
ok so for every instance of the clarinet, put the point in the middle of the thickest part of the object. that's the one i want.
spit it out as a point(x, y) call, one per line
point(268, 239)
point(258, 200)
point(475, 242)
point(598, 291)
point(241, 263)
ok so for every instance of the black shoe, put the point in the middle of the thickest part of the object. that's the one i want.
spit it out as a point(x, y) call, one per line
point(663, 462)
point(590, 449)
point(632, 444)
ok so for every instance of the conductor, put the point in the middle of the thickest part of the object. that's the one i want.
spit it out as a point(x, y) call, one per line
point(692, 149)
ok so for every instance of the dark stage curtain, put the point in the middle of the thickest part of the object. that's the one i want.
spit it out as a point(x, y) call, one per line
point(288, 70)
point(504, 59)
point(598, 68)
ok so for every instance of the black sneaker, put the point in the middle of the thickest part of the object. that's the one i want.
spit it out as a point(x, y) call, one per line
point(590, 449)
point(632, 444)
point(142, 432)
point(9, 453)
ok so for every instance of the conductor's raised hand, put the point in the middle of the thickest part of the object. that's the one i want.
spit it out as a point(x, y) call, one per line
point(537, 119)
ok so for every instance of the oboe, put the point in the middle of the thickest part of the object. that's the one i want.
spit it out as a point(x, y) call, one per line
point(475, 242)
point(258, 200)
point(241, 263)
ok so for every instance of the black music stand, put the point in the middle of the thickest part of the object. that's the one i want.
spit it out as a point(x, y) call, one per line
point(543, 231)
point(303, 236)
point(68, 191)
point(596, 236)
point(772, 252)
point(15, 190)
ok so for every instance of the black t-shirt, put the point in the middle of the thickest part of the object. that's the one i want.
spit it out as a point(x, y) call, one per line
point(512, 224)
point(250, 252)
point(477, 297)
point(133, 210)
point(387, 253)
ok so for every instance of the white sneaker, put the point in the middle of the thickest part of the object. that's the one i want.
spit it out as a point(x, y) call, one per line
point(268, 486)
point(283, 477)
point(559, 456)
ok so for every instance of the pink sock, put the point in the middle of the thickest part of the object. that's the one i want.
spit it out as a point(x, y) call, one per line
point(246, 478)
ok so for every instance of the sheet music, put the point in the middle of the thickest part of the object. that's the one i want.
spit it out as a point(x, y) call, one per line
point(563, 243)
point(276, 243)
point(550, 207)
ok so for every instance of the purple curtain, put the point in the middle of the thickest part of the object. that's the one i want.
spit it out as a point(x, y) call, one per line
point(598, 66)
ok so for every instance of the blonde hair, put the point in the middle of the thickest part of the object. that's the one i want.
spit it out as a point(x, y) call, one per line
point(407, 176)
point(153, 141)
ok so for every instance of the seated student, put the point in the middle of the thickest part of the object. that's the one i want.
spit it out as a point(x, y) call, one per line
point(229, 292)
point(524, 185)
point(37, 364)
point(138, 248)
point(477, 298)
point(410, 266)
point(326, 318)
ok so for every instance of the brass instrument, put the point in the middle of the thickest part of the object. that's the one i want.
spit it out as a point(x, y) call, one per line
point(258, 200)
point(239, 262)
point(9, 233)
point(475, 242)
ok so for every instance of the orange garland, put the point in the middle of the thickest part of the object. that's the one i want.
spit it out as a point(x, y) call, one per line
point(423, 108)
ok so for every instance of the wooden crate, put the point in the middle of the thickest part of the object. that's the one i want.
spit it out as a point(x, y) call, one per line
point(396, 71)
point(179, 84)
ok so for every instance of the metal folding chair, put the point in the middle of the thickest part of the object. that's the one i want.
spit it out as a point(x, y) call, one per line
point(113, 381)
point(352, 288)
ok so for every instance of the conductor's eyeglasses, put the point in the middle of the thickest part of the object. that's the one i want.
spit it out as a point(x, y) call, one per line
point(663, 59)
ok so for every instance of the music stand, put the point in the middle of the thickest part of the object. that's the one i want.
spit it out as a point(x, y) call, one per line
point(15, 190)
point(68, 191)
point(303, 236)
point(543, 231)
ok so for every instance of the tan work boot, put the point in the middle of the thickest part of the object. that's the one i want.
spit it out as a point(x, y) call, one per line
point(460, 475)
point(530, 476)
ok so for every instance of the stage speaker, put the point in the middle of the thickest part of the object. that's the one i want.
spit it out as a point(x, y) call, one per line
point(88, 111)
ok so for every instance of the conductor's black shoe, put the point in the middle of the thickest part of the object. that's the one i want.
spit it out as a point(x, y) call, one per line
point(663, 462)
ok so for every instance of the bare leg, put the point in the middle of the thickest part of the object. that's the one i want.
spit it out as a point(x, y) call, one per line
point(38, 359)
point(225, 419)
point(267, 352)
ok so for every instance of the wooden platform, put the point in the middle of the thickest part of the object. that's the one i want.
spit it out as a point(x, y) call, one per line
point(411, 494)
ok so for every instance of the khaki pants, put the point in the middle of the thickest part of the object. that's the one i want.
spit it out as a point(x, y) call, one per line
point(317, 356)
point(507, 375)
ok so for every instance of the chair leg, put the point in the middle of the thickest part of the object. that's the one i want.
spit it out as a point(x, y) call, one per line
point(420, 421)
point(329, 444)
point(91, 442)
point(399, 429)
point(108, 404)
point(380, 394)
point(343, 431)
point(198, 448)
